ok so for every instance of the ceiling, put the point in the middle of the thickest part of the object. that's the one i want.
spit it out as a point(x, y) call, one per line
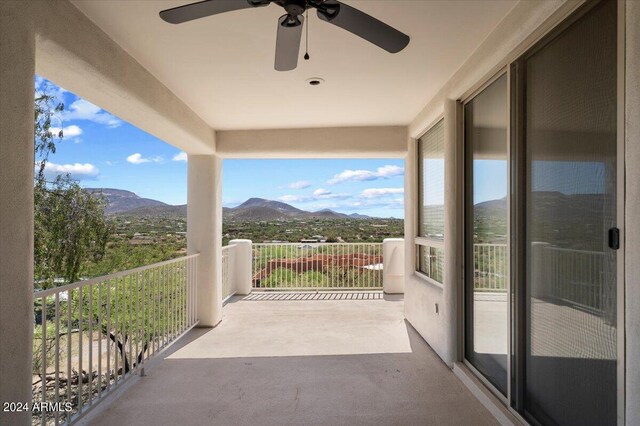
point(222, 66)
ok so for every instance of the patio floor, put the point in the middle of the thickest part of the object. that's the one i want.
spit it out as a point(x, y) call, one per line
point(300, 362)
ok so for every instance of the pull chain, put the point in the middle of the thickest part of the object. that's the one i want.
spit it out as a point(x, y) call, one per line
point(306, 47)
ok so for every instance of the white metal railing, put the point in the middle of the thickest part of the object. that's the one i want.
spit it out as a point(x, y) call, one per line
point(314, 266)
point(431, 261)
point(576, 277)
point(491, 264)
point(228, 268)
point(91, 336)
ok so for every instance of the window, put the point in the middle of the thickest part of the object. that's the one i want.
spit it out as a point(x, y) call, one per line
point(430, 240)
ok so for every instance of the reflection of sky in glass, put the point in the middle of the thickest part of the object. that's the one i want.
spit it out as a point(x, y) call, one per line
point(489, 180)
point(569, 177)
point(434, 182)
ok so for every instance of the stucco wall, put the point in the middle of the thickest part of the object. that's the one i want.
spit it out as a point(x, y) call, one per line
point(56, 40)
point(523, 25)
point(330, 142)
point(17, 48)
point(76, 54)
point(437, 325)
point(421, 296)
point(526, 22)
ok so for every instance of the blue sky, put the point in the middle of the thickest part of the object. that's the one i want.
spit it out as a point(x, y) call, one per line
point(372, 187)
point(103, 151)
point(489, 180)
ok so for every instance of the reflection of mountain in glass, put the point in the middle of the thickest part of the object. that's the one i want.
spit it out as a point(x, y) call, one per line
point(569, 221)
point(490, 222)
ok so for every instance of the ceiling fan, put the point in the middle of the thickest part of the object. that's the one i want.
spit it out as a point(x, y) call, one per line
point(290, 24)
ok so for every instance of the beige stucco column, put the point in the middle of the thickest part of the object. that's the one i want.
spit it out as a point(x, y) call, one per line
point(393, 265)
point(17, 68)
point(243, 258)
point(204, 234)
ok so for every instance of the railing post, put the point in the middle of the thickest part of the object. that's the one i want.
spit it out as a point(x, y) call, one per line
point(242, 266)
point(393, 265)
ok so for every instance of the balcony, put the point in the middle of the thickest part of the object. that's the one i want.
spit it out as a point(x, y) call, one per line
point(314, 304)
point(300, 334)
point(299, 362)
point(306, 330)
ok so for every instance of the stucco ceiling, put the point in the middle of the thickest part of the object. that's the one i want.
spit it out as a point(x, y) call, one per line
point(222, 66)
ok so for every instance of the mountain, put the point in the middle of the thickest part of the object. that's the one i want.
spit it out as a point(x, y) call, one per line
point(166, 210)
point(119, 201)
point(262, 209)
point(359, 216)
point(270, 204)
point(492, 207)
point(328, 214)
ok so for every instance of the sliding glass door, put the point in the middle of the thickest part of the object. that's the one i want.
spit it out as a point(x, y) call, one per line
point(570, 209)
point(487, 250)
point(541, 237)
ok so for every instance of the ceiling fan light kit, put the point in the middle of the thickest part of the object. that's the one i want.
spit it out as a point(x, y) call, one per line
point(289, 32)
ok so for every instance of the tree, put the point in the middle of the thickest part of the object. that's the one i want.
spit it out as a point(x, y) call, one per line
point(70, 227)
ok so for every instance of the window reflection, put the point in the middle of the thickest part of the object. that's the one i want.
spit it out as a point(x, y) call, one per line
point(487, 320)
point(431, 192)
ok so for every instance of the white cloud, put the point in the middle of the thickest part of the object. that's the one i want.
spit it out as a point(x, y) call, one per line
point(181, 156)
point(318, 194)
point(85, 110)
point(368, 199)
point(372, 203)
point(301, 184)
point(68, 132)
point(380, 192)
point(389, 171)
point(384, 172)
point(77, 171)
point(137, 158)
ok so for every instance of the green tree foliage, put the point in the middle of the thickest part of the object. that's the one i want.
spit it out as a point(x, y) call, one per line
point(70, 227)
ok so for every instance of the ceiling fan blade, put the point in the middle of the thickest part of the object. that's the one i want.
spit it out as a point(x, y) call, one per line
point(189, 12)
point(288, 42)
point(363, 25)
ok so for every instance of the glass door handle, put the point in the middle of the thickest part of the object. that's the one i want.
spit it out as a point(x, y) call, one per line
point(614, 238)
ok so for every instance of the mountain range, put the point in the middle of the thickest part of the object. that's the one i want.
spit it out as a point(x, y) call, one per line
point(121, 202)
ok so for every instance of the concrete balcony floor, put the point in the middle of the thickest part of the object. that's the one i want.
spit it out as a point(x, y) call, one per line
point(299, 362)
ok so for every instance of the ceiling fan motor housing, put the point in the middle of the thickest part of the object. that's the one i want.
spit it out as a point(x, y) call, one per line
point(294, 7)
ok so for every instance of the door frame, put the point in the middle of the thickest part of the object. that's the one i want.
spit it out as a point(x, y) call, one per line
point(518, 149)
point(516, 216)
point(467, 219)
